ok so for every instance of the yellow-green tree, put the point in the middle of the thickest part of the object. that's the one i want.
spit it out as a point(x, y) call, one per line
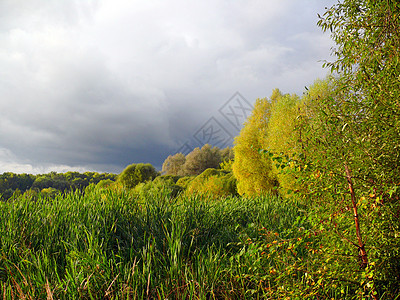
point(213, 183)
point(252, 169)
point(282, 140)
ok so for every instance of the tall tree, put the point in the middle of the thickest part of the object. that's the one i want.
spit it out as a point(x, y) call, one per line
point(351, 146)
point(367, 35)
point(253, 171)
point(282, 140)
point(227, 154)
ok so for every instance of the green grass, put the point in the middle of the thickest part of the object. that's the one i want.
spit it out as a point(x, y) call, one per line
point(103, 244)
point(107, 244)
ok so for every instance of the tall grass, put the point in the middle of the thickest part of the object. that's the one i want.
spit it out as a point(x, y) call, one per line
point(105, 244)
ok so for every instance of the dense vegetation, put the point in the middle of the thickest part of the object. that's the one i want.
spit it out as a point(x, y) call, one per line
point(197, 161)
point(109, 244)
point(306, 207)
point(12, 184)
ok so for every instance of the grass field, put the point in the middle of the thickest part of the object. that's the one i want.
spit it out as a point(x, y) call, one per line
point(104, 244)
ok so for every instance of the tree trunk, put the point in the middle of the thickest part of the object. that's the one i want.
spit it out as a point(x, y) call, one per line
point(361, 246)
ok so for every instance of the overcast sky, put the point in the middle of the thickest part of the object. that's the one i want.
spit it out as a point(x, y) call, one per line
point(100, 84)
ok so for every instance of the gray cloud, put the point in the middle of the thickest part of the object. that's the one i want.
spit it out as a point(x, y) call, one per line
point(96, 85)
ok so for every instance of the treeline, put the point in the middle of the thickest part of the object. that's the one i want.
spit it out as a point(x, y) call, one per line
point(205, 171)
point(12, 184)
point(197, 161)
point(177, 174)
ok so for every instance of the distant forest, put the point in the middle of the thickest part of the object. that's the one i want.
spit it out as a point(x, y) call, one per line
point(12, 184)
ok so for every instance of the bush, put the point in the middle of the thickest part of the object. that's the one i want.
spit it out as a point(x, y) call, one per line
point(159, 186)
point(137, 173)
point(214, 183)
point(183, 182)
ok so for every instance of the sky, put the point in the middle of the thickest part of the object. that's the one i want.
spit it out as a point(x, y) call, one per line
point(96, 85)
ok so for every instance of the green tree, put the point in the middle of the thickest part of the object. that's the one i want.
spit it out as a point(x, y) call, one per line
point(173, 165)
point(161, 186)
point(214, 183)
point(201, 159)
point(351, 143)
point(368, 54)
point(10, 182)
point(105, 183)
point(134, 174)
point(184, 182)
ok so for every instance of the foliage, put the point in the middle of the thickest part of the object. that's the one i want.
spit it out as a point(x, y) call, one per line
point(114, 245)
point(282, 141)
point(173, 165)
point(104, 183)
point(253, 171)
point(173, 178)
point(196, 161)
point(134, 174)
point(227, 154)
point(161, 185)
point(213, 183)
point(201, 159)
point(183, 182)
point(52, 180)
point(350, 143)
point(226, 165)
point(49, 192)
point(10, 182)
point(368, 55)
point(337, 238)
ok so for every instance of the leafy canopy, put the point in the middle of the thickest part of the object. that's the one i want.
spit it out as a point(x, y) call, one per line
point(253, 171)
point(137, 173)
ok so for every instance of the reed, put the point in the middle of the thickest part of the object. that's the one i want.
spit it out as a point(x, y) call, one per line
point(108, 244)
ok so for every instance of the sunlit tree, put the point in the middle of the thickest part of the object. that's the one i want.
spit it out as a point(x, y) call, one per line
point(201, 159)
point(173, 165)
point(137, 173)
point(252, 169)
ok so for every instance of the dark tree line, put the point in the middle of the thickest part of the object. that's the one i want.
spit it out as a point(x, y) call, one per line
point(11, 183)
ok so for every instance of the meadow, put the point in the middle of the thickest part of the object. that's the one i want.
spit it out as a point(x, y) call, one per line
point(108, 244)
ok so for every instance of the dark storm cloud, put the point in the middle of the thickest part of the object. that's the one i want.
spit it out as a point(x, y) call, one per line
point(100, 84)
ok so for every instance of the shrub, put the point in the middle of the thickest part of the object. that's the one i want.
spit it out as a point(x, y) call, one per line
point(137, 173)
point(214, 183)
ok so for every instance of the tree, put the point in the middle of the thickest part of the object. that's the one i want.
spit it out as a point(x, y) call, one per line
point(134, 174)
point(173, 165)
point(282, 141)
point(10, 182)
point(368, 54)
point(201, 159)
point(253, 171)
point(351, 143)
point(227, 154)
